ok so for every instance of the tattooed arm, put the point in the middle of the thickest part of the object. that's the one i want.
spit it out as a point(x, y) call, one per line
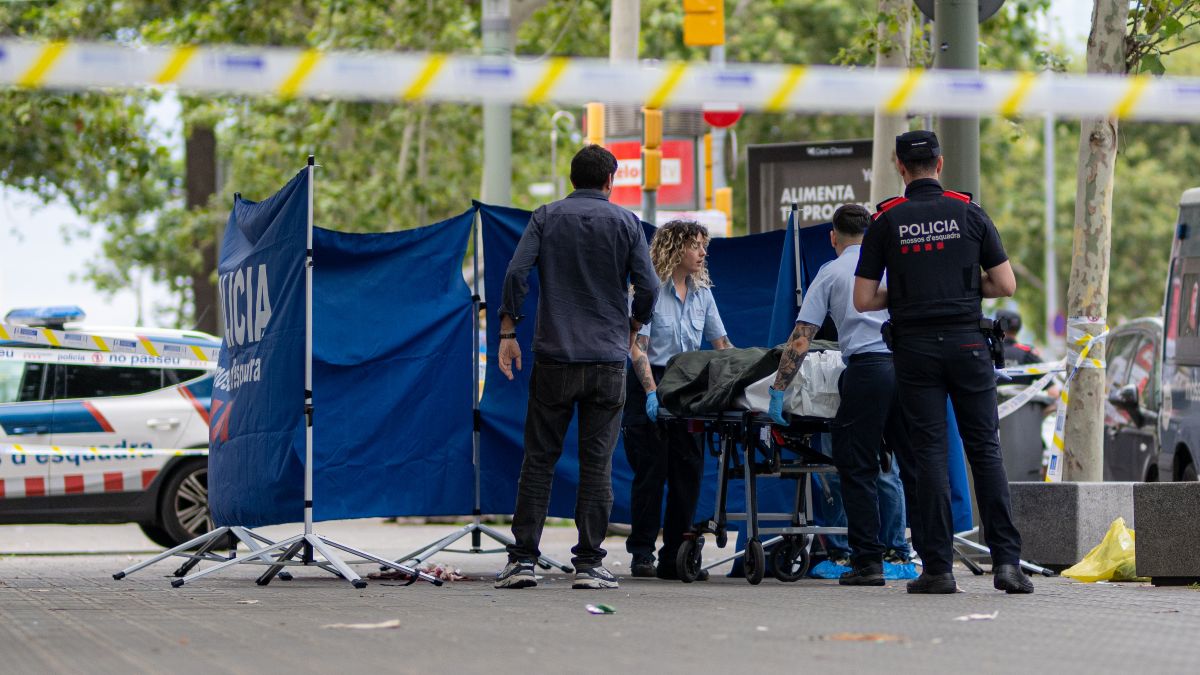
point(793, 356)
point(641, 363)
point(722, 343)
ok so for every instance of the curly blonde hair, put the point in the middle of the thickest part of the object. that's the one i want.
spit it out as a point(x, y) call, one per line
point(669, 244)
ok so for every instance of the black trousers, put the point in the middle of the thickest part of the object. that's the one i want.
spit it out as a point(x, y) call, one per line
point(930, 366)
point(660, 453)
point(556, 390)
point(868, 417)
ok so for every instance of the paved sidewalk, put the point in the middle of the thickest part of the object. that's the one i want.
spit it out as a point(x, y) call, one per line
point(65, 613)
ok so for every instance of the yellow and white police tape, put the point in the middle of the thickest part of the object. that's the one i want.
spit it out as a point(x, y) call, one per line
point(1011, 405)
point(146, 346)
point(78, 357)
point(1080, 343)
point(96, 451)
point(413, 76)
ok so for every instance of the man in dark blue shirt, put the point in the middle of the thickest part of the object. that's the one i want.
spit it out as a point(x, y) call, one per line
point(587, 252)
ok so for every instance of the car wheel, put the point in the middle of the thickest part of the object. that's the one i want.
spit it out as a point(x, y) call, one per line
point(1189, 472)
point(157, 535)
point(183, 511)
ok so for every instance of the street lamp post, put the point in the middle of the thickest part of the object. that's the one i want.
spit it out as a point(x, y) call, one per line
point(554, 175)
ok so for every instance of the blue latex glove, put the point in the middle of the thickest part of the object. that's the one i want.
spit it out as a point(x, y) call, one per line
point(775, 410)
point(1002, 377)
point(652, 406)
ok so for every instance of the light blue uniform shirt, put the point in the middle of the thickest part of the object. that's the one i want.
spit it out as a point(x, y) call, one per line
point(832, 292)
point(682, 325)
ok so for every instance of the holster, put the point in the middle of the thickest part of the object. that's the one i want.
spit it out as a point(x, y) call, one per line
point(995, 337)
point(888, 338)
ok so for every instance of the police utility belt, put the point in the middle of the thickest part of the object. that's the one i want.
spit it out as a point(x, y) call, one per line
point(990, 329)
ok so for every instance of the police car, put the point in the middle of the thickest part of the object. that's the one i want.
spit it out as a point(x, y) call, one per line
point(53, 408)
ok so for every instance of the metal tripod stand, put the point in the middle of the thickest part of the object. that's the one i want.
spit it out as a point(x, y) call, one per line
point(308, 545)
point(205, 545)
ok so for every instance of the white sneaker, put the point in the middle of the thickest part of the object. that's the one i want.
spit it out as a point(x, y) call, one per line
point(516, 574)
point(596, 577)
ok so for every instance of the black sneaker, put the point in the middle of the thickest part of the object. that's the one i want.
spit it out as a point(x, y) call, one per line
point(935, 584)
point(896, 557)
point(594, 578)
point(867, 574)
point(516, 574)
point(642, 567)
point(1010, 579)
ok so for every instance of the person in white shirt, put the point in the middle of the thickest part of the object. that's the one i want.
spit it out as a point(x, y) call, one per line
point(869, 413)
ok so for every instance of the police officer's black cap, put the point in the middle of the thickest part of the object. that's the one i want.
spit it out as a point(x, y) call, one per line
point(916, 145)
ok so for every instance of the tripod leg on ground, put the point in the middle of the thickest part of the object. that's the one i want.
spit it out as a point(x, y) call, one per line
point(1025, 565)
point(340, 565)
point(277, 568)
point(255, 556)
point(197, 556)
point(429, 550)
point(766, 544)
point(545, 562)
point(251, 539)
point(971, 564)
point(382, 562)
point(180, 549)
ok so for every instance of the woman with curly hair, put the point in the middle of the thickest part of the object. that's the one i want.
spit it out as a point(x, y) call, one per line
point(684, 316)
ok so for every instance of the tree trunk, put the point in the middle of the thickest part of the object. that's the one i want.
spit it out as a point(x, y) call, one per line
point(891, 51)
point(200, 181)
point(1087, 292)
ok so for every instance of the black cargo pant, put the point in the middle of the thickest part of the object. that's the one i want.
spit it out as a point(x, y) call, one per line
point(868, 417)
point(556, 390)
point(930, 366)
point(659, 453)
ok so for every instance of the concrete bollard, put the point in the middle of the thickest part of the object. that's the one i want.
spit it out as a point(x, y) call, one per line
point(1061, 522)
point(1168, 532)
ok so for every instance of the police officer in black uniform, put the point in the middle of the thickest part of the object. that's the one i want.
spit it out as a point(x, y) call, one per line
point(1015, 353)
point(942, 255)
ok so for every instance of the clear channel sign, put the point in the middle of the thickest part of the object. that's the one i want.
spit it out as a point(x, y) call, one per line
point(816, 177)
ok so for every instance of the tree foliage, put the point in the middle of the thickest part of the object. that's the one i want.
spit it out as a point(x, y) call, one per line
point(388, 166)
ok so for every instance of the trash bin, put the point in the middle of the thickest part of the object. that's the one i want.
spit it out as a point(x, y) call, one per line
point(1021, 436)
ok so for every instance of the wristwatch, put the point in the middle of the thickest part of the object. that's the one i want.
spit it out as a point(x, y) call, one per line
point(508, 336)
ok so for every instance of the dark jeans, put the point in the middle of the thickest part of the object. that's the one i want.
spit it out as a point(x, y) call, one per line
point(929, 367)
point(658, 453)
point(868, 417)
point(556, 389)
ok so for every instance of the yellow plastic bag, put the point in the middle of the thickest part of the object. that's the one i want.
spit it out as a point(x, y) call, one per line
point(1112, 560)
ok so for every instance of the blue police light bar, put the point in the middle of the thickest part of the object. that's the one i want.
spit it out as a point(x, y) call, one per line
point(45, 316)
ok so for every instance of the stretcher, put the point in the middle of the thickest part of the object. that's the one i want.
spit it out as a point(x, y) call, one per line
point(748, 446)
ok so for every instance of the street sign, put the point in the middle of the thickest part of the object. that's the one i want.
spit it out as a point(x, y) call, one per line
point(817, 177)
point(721, 115)
point(677, 191)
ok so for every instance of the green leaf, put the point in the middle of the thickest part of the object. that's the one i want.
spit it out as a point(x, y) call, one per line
point(1171, 27)
point(1153, 64)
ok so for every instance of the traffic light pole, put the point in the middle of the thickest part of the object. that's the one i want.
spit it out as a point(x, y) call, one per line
point(956, 45)
point(717, 58)
point(652, 128)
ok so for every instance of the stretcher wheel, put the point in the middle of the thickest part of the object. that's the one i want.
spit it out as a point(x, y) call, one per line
point(687, 561)
point(790, 559)
point(755, 562)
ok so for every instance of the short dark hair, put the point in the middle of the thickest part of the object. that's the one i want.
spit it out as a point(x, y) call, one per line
point(591, 167)
point(851, 220)
point(920, 167)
